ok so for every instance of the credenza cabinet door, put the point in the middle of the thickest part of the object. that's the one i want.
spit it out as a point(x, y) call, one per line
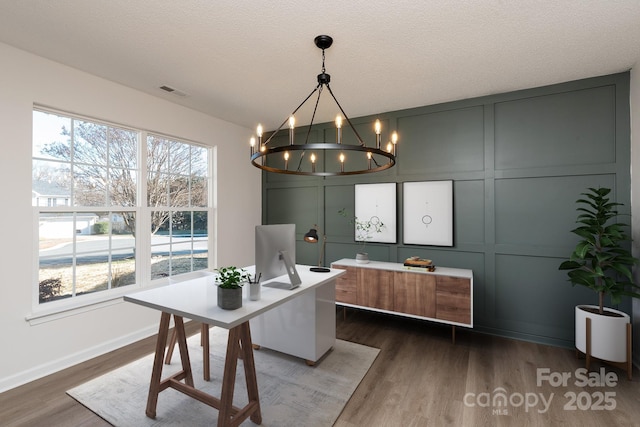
point(453, 299)
point(445, 296)
point(414, 294)
point(346, 290)
point(375, 288)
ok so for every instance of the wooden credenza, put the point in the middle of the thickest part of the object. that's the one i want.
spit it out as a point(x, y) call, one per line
point(444, 295)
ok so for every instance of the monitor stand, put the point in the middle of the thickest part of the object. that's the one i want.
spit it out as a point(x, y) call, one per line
point(280, 285)
point(294, 278)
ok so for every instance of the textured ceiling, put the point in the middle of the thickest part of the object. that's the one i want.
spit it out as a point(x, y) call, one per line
point(255, 61)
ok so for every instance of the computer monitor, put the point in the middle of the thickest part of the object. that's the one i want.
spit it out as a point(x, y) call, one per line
point(276, 254)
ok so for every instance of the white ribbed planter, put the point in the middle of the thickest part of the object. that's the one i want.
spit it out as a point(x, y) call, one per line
point(608, 334)
point(362, 258)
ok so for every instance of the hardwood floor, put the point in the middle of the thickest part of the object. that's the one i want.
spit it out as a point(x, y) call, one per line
point(420, 378)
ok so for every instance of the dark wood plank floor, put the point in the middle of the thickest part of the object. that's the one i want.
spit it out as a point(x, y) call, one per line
point(420, 378)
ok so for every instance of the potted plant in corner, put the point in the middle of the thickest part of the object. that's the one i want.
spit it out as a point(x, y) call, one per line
point(601, 262)
point(364, 232)
point(230, 281)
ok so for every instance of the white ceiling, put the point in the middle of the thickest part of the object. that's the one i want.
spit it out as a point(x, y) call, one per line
point(255, 61)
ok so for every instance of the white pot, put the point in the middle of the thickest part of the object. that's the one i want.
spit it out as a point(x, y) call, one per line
point(362, 258)
point(608, 334)
point(254, 290)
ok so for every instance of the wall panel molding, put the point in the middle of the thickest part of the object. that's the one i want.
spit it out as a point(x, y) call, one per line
point(519, 161)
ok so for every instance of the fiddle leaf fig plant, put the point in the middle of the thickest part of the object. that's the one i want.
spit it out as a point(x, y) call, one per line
point(231, 277)
point(600, 261)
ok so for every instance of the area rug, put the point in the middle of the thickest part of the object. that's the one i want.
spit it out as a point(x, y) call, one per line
point(291, 393)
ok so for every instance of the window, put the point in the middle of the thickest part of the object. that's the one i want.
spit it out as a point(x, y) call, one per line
point(177, 200)
point(92, 199)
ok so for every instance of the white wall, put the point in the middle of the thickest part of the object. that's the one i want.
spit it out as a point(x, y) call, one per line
point(31, 351)
point(635, 199)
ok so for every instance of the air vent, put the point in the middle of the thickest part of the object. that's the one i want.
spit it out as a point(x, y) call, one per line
point(172, 90)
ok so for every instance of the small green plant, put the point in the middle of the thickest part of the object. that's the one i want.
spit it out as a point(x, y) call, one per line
point(600, 261)
point(364, 229)
point(231, 277)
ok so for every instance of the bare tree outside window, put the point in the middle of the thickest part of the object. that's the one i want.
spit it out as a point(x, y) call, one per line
point(86, 165)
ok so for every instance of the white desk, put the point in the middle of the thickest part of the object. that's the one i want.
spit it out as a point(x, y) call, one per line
point(197, 299)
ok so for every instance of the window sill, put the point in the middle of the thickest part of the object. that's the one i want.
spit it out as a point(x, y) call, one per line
point(40, 316)
point(58, 310)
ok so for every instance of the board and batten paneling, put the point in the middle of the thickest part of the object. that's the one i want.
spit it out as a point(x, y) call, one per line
point(442, 141)
point(518, 161)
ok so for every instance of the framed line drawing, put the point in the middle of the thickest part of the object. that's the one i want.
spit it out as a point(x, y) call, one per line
point(428, 213)
point(376, 203)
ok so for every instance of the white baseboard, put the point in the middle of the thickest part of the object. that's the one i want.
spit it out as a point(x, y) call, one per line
point(54, 366)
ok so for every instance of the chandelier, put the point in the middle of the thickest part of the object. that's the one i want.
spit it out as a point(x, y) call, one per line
point(326, 158)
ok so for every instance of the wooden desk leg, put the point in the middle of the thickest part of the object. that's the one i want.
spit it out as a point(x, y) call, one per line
point(172, 344)
point(250, 371)
point(229, 378)
point(154, 386)
point(204, 342)
point(206, 368)
point(184, 352)
point(239, 340)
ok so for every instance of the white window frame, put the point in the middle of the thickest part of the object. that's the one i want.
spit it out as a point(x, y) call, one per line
point(43, 312)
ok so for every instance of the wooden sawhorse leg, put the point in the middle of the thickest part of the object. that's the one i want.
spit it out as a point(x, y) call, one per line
point(157, 384)
point(204, 342)
point(239, 346)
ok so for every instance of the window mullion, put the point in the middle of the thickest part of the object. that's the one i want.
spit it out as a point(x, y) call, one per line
point(212, 209)
point(143, 216)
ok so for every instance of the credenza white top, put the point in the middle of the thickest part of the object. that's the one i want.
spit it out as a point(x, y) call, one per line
point(197, 299)
point(394, 266)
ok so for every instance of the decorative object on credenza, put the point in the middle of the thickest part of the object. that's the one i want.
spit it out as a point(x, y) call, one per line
point(322, 158)
point(365, 230)
point(428, 213)
point(602, 262)
point(418, 263)
point(362, 258)
point(230, 281)
point(312, 237)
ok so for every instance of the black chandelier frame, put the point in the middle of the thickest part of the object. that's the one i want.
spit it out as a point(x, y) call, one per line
point(259, 156)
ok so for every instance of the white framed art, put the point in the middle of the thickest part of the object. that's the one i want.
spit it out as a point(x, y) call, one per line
point(376, 204)
point(428, 213)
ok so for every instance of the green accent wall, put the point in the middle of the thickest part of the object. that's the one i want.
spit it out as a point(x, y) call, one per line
point(518, 161)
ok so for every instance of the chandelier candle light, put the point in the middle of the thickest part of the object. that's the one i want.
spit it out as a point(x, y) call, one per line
point(374, 158)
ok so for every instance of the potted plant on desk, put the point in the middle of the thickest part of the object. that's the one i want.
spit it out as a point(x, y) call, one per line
point(230, 281)
point(602, 263)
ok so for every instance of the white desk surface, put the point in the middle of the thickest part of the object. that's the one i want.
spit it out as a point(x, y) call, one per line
point(197, 299)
